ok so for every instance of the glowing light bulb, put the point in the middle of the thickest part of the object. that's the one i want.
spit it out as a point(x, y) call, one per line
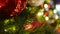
point(56, 17)
point(45, 6)
point(5, 30)
point(40, 14)
point(46, 18)
point(55, 11)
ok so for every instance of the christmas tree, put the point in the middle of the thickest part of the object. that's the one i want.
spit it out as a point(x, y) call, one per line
point(30, 17)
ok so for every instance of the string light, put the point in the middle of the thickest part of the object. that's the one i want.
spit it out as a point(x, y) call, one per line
point(55, 11)
point(56, 17)
point(45, 6)
point(46, 18)
point(5, 30)
point(39, 13)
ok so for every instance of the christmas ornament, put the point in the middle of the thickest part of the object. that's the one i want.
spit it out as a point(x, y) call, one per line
point(35, 2)
point(46, 13)
point(10, 8)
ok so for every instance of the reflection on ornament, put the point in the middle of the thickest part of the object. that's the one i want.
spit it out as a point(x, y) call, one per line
point(28, 26)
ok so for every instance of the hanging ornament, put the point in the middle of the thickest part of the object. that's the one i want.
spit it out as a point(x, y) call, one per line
point(10, 8)
point(35, 2)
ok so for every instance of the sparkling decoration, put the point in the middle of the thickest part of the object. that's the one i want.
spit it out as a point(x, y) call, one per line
point(46, 7)
point(55, 11)
point(35, 2)
point(56, 17)
point(10, 8)
point(40, 13)
point(38, 17)
point(28, 26)
point(46, 18)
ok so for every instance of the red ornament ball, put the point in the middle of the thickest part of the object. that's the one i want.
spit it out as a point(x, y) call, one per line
point(10, 8)
point(46, 13)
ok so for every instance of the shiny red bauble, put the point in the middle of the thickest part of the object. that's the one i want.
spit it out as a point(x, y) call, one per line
point(9, 8)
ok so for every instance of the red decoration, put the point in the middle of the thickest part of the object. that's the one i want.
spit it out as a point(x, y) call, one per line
point(59, 29)
point(10, 8)
point(28, 26)
point(46, 13)
point(49, 6)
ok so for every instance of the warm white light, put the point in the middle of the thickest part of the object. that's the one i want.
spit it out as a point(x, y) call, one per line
point(55, 11)
point(46, 18)
point(45, 6)
point(5, 30)
point(56, 17)
point(40, 14)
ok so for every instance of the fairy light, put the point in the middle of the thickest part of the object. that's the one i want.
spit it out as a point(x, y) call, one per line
point(5, 30)
point(55, 11)
point(39, 13)
point(46, 18)
point(56, 17)
point(45, 5)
